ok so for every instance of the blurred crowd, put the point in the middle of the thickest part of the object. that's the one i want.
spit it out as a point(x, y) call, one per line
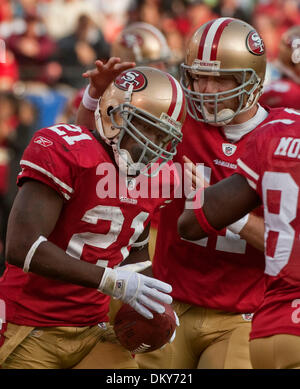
point(46, 45)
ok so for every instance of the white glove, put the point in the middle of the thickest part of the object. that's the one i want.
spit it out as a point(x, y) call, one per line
point(137, 290)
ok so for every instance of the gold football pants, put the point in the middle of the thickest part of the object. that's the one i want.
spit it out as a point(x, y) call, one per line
point(276, 352)
point(205, 339)
point(93, 347)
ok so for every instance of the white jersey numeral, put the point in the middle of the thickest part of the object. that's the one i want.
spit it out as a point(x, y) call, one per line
point(60, 129)
point(279, 222)
point(230, 243)
point(115, 216)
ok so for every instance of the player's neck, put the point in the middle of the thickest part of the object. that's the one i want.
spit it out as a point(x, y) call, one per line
point(234, 132)
point(244, 117)
point(106, 147)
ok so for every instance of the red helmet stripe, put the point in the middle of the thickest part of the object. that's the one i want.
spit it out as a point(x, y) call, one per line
point(174, 96)
point(202, 40)
point(182, 107)
point(176, 107)
point(214, 49)
point(210, 38)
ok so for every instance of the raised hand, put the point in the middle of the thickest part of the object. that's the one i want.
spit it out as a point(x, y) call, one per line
point(104, 73)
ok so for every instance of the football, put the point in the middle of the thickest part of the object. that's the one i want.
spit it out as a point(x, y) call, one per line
point(140, 335)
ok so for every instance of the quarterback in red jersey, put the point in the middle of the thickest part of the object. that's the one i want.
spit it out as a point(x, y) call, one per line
point(78, 216)
point(223, 75)
point(285, 92)
point(268, 173)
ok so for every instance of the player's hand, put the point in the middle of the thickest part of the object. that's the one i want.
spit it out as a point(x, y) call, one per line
point(196, 178)
point(139, 291)
point(101, 76)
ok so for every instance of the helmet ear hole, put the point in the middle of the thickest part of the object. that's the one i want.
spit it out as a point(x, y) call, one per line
point(109, 109)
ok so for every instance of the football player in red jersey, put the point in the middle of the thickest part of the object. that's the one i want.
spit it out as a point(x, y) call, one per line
point(145, 44)
point(268, 173)
point(213, 295)
point(77, 217)
point(285, 92)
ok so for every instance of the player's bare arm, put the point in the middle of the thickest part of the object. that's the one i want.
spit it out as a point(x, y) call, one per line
point(99, 79)
point(253, 229)
point(139, 259)
point(35, 212)
point(224, 203)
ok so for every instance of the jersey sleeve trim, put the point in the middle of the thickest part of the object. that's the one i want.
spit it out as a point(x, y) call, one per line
point(251, 183)
point(247, 170)
point(50, 175)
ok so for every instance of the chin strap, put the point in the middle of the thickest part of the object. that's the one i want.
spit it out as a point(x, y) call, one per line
point(221, 117)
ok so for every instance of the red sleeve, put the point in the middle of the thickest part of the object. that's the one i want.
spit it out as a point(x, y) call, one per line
point(46, 160)
point(248, 165)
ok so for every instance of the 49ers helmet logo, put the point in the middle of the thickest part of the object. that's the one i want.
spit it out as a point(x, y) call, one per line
point(129, 40)
point(129, 77)
point(255, 43)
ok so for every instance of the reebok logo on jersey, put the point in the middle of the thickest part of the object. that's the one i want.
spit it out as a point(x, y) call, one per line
point(43, 141)
point(124, 199)
point(225, 164)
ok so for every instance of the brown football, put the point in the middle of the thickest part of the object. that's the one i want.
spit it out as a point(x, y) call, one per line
point(140, 335)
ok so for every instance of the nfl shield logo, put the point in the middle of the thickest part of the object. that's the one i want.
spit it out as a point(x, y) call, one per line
point(228, 149)
point(247, 316)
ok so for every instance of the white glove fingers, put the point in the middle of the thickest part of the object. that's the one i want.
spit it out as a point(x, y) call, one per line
point(156, 295)
point(142, 310)
point(151, 304)
point(159, 285)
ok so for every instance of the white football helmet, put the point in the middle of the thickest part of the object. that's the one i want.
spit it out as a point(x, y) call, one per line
point(142, 43)
point(288, 60)
point(148, 96)
point(224, 46)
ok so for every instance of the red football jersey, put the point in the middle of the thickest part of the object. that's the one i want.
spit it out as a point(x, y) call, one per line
point(281, 93)
point(100, 220)
point(271, 166)
point(221, 271)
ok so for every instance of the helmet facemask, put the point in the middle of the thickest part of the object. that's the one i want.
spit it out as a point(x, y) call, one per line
point(148, 157)
point(247, 92)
